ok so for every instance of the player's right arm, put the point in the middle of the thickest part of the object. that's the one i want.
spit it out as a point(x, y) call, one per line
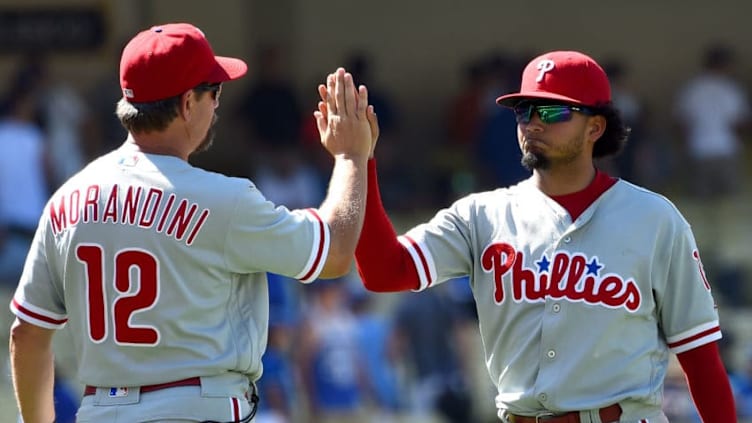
point(346, 134)
point(383, 262)
point(33, 371)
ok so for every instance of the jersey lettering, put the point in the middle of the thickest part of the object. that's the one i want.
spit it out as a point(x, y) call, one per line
point(91, 256)
point(498, 258)
point(131, 205)
point(573, 277)
point(701, 268)
point(135, 270)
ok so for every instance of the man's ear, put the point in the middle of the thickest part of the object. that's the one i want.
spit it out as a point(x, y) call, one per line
point(596, 127)
point(187, 103)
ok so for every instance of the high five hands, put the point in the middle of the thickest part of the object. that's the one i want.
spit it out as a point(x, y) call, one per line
point(347, 124)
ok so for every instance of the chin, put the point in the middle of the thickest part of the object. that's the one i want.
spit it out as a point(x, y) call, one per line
point(207, 142)
point(204, 146)
point(532, 161)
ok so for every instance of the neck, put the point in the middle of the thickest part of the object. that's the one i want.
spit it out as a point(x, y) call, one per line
point(164, 143)
point(564, 180)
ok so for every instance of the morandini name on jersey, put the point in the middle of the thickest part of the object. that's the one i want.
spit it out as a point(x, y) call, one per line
point(570, 276)
point(144, 207)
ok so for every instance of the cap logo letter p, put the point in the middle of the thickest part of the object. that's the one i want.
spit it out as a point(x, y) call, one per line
point(544, 66)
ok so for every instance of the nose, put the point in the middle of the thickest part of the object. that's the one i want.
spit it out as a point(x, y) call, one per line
point(535, 124)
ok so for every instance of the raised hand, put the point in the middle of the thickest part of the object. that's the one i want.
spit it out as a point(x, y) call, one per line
point(342, 119)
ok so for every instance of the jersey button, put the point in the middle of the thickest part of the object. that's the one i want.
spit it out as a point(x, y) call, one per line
point(551, 354)
point(543, 397)
point(567, 239)
point(556, 308)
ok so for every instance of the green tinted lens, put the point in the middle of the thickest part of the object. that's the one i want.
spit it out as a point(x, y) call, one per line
point(554, 114)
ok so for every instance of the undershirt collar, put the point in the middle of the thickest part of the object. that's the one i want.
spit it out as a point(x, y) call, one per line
point(576, 202)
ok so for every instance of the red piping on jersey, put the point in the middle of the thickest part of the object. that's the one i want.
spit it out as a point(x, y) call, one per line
point(320, 250)
point(384, 264)
point(422, 257)
point(37, 316)
point(694, 337)
point(235, 409)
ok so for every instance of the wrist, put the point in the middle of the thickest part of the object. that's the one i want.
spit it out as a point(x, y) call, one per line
point(353, 157)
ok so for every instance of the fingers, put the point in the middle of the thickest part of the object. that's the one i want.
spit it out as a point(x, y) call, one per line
point(362, 101)
point(373, 122)
point(329, 97)
point(350, 101)
point(340, 104)
point(320, 122)
point(322, 90)
point(321, 118)
point(339, 95)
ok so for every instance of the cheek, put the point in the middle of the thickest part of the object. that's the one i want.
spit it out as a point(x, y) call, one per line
point(520, 135)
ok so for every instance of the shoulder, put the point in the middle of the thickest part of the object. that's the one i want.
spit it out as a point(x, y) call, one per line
point(642, 203)
point(500, 196)
point(479, 200)
point(217, 188)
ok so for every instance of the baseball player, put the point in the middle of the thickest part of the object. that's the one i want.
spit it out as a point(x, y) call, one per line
point(158, 267)
point(583, 283)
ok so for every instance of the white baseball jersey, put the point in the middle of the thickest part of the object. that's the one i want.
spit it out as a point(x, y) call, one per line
point(159, 268)
point(574, 315)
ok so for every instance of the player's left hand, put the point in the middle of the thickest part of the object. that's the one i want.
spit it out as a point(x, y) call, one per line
point(361, 97)
point(342, 119)
point(373, 121)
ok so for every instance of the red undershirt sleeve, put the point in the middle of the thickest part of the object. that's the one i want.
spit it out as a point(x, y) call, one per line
point(383, 263)
point(709, 384)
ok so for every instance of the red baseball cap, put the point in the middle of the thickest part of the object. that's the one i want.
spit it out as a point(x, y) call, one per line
point(167, 60)
point(568, 76)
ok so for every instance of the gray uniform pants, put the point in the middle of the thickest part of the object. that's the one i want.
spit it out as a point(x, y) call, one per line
point(219, 398)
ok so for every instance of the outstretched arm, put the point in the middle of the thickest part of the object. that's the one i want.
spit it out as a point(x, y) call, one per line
point(345, 133)
point(384, 264)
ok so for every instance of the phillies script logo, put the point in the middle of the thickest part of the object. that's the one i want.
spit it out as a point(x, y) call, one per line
point(565, 276)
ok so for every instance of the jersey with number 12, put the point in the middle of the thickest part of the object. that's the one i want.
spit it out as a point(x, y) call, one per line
point(159, 268)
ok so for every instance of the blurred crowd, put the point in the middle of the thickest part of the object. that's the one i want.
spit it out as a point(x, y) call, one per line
point(337, 353)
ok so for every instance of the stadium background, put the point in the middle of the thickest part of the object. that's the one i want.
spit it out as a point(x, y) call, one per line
point(418, 50)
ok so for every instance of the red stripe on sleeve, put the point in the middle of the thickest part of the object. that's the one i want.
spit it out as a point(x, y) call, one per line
point(709, 384)
point(384, 264)
point(423, 261)
point(320, 251)
point(37, 316)
point(694, 337)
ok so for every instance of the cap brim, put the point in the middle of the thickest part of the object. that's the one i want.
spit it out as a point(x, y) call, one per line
point(229, 68)
point(510, 100)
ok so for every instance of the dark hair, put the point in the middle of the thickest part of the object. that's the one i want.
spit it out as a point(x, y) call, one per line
point(615, 136)
point(148, 117)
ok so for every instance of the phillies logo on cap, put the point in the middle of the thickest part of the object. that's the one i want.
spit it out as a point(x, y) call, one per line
point(544, 66)
point(562, 76)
